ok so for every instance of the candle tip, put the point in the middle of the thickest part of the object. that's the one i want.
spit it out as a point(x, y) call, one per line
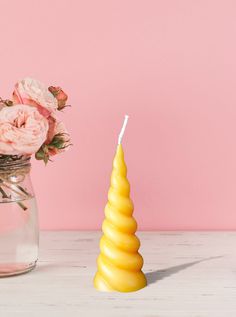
point(123, 129)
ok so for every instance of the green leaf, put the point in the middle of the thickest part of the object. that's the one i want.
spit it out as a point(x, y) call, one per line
point(59, 141)
point(42, 154)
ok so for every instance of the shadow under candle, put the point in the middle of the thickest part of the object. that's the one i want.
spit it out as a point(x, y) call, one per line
point(158, 275)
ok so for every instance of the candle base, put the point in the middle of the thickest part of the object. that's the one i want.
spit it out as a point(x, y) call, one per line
point(100, 284)
point(121, 285)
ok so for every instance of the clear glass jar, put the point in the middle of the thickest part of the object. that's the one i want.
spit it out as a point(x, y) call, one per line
point(19, 233)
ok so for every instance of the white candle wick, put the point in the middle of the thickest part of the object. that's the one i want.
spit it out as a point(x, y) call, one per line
point(122, 131)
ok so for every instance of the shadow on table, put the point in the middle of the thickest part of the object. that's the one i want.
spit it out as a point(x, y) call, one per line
point(158, 275)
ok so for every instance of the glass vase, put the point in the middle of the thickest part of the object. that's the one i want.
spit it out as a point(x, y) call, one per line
point(19, 233)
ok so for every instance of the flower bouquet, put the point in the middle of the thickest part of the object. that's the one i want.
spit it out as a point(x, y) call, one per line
point(29, 125)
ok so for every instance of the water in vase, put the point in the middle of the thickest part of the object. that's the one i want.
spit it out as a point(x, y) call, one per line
point(18, 236)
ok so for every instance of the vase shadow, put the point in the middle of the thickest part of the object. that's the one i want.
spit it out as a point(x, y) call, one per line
point(158, 275)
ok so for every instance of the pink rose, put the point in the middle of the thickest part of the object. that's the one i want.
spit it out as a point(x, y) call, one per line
point(22, 130)
point(34, 93)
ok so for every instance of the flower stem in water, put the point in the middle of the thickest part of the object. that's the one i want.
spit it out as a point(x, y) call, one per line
point(4, 195)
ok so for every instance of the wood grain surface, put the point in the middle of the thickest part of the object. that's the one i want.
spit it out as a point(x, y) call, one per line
point(190, 274)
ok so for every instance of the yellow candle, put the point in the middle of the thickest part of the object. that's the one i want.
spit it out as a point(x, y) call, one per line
point(119, 263)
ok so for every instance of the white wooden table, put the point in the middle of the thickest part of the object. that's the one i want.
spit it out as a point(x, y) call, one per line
point(189, 274)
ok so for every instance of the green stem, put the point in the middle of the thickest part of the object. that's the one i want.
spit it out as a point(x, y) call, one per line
point(23, 190)
point(22, 205)
point(4, 195)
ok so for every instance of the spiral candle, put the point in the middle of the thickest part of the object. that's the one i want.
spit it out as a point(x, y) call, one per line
point(119, 263)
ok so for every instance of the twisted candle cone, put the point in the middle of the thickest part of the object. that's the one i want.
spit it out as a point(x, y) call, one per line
point(119, 263)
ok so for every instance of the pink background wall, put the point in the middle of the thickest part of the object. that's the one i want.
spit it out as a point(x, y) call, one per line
point(171, 65)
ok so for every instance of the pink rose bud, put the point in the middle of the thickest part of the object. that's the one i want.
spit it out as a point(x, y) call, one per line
point(60, 95)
